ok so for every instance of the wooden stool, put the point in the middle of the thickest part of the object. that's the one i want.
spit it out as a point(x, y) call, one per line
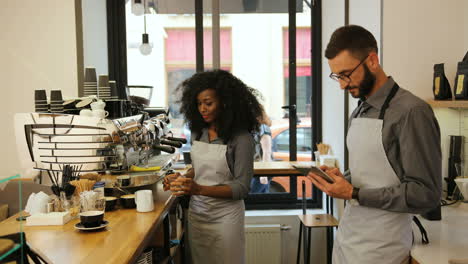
point(23, 254)
point(307, 222)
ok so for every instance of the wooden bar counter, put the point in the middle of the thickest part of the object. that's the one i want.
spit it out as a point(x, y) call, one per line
point(123, 240)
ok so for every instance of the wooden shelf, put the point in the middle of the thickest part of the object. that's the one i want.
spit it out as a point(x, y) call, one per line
point(448, 103)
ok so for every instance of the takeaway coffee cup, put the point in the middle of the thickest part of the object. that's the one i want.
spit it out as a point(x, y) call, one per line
point(144, 201)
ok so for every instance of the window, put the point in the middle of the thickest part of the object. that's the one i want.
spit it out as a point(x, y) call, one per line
point(254, 47)
point(181, 62)
point(281, 141)
point(303, 70)
point(304, 136)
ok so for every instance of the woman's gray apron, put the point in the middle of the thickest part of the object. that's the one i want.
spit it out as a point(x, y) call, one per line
point(371, 235)
point(216, 226)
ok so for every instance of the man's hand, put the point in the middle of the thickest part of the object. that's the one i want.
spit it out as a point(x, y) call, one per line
point(341, 188)
point(185, 186)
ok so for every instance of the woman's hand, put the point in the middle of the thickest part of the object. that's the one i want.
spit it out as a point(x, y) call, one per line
point(168, 179)
point(185, 186)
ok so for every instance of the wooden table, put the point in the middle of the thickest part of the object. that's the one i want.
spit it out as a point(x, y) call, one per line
point(279, 168)
point(122, 241)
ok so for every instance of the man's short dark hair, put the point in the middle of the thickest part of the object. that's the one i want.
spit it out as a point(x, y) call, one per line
point(355, 39)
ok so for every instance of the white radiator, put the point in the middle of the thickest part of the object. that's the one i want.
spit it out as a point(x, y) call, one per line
point(263, 244)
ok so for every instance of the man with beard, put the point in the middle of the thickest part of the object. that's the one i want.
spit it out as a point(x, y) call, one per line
point(394, 156)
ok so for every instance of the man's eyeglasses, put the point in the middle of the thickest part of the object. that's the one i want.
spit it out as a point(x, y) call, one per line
point(346, 77)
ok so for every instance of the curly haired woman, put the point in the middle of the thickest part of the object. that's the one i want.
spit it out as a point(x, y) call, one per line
point(222, 113)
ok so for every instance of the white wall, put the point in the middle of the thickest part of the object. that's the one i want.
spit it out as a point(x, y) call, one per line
point(415, 39)
point(366, 13)
point(37, 51)
point(95, 35)
point(465, 34)
point(417, 34)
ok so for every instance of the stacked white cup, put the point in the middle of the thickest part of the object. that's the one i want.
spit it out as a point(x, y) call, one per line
point(98, 109)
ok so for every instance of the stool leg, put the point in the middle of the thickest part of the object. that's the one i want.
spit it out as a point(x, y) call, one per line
point(309, 242)
point(298, 259)
point(329, 244)
point(304, 241)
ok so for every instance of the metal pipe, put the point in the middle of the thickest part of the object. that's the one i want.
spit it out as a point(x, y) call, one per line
point(199, 34)
point(215, 34)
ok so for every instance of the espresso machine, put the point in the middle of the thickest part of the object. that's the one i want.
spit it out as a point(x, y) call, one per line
point(49, 141)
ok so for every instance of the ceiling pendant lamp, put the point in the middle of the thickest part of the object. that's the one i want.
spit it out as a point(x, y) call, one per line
point(138, 8)
point(145, 47)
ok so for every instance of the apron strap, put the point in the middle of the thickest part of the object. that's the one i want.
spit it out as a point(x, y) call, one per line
point(424, 238)
point(387, 100)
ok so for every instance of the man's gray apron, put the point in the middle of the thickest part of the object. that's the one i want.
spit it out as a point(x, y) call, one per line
point(370, 235)
point(215, 226)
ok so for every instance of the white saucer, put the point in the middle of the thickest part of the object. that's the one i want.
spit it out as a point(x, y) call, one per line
point(84, 102)
point(79, 226)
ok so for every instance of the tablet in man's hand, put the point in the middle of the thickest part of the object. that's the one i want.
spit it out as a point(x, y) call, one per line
point(314, 170)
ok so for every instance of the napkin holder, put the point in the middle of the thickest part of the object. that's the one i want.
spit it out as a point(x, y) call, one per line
point(48, 219)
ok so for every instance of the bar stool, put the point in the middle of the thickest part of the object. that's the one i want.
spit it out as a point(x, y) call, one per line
point(309, 221)
point(23, 254)
point(5, 246)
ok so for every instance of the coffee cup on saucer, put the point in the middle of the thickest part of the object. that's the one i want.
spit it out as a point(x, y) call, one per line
point(128, 201)
point(91, 218)
point(100, 113)
point(111, 201)
point(98, 105)
point(86, 112)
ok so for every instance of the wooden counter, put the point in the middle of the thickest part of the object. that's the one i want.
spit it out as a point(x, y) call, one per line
point(126, 236)
point(122, 241)
point(448, 238)
point(278, 168)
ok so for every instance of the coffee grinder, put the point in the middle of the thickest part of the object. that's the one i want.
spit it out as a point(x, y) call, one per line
point(455, 159)
point(454, 164)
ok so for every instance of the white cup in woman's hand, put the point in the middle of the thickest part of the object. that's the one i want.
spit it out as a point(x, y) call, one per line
point(177, 187)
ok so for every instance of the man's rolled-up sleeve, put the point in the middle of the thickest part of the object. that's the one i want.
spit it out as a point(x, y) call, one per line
point(420, 155)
